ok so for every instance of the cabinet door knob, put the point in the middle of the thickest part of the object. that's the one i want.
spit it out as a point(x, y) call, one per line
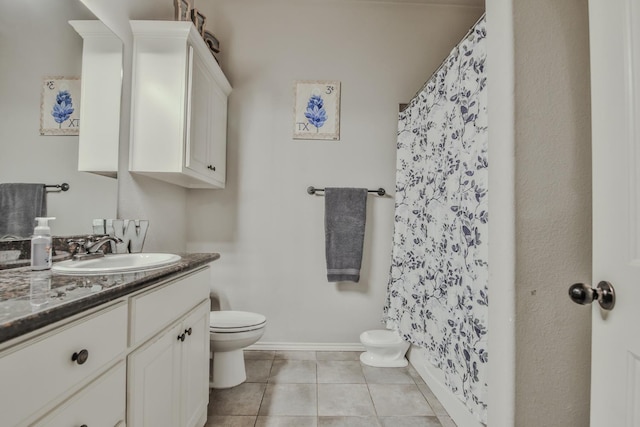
point(188, 331)
point(80, 357)
point(181, 337)
point(211, 167)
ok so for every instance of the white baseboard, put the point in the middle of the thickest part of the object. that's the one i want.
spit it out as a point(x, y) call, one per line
point(435, 380)
point(306, 346)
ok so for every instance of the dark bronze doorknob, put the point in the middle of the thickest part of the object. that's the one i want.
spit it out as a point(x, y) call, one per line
point(604, 293)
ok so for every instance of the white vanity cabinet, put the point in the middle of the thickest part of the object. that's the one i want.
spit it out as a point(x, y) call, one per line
point(166, 382)
point(179, 106)
point(141, 360)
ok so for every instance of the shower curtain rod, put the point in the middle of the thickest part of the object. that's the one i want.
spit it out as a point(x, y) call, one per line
point(380, 191)
point(469, 32)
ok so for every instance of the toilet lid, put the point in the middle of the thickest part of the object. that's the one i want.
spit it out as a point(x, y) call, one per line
point(234, 321)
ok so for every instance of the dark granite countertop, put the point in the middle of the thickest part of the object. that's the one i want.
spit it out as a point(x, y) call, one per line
point(30, 300)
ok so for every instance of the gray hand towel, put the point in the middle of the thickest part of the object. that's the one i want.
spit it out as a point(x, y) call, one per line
point(345, 213)
point(20, 204)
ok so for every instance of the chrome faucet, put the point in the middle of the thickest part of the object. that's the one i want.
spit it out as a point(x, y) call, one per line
point(93, 246)
point(89, 248)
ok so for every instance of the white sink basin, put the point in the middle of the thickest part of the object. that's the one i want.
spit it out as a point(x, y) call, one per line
point(118, 263)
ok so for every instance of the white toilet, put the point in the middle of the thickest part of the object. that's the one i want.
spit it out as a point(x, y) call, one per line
point(230, 332)
point(385, 349)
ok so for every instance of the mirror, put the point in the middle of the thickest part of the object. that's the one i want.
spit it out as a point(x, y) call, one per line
point(37, 41)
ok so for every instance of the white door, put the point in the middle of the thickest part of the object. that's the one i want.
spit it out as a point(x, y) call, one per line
point(615, 85)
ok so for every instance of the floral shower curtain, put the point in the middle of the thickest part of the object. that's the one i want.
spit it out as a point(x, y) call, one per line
point(437, 294)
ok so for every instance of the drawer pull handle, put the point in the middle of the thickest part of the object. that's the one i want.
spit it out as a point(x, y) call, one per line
point(211, 167)
point(188, 331)
point(181, 337)
point(80, 357)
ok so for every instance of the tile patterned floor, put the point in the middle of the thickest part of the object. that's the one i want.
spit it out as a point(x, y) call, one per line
point(324, 389)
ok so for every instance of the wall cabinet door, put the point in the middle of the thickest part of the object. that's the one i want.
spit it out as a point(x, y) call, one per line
point(207, 122)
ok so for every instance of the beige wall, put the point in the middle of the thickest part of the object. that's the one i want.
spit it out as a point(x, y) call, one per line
point(269, 232)
point(553, 211)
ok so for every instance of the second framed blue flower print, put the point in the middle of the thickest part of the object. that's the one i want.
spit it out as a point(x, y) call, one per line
point(316, 110)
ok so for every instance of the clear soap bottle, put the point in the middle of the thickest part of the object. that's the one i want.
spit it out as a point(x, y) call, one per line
point(41, 245)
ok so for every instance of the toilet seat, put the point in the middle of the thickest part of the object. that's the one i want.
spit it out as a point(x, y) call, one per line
point(228, 321)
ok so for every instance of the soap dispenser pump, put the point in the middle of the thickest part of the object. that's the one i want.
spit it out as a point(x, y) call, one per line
point(41, 245)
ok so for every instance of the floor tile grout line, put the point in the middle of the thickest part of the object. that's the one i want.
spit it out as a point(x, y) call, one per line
point(375, 410)
point(366, 381)
point(264, 393)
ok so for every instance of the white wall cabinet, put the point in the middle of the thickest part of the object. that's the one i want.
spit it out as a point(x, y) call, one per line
point(101, 92)
point(179, 106)
point(161, 379)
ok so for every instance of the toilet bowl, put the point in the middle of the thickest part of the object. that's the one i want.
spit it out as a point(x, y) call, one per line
point(384, 349)
point(229, 333)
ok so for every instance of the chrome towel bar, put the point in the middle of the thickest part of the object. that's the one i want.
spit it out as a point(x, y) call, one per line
point(379, 191)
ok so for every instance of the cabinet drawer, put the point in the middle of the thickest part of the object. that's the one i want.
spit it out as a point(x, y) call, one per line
point(156, 309)
point(101, 403)
point(34, 375)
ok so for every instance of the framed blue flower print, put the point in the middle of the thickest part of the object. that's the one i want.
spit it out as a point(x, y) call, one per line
point(60, 106)
point(316, 110)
